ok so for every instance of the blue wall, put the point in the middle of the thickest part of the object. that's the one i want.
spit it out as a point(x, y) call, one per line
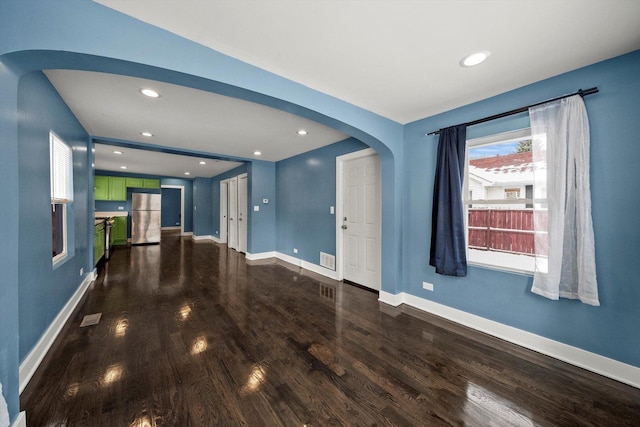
point(171, 209)
point(202, 207)
point(43, 290)
point(611, 329)
point(262, 224)
point(306, 189)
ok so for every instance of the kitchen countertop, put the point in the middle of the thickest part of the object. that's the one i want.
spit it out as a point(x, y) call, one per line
point(111, 214)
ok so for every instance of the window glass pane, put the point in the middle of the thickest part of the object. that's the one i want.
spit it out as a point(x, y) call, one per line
point(58, 229)
point(61, 170)
point(500, 225)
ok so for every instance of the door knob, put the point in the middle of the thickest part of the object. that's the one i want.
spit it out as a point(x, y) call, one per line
point(344, 226)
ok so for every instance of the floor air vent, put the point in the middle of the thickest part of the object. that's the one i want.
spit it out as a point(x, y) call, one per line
point(90, 319)
point(327, 261)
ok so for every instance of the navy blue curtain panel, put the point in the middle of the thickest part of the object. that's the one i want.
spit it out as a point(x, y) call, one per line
point(448, 253)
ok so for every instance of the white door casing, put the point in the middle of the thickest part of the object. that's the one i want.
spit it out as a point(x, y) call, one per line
point(243, 218)
point(358, 239)
point(232, 229)
point(224, 214)
point(181, 188)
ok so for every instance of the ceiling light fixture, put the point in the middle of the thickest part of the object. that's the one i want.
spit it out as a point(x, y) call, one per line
point(474, 59)
point(123, 167)
point(257, 153)
point(117, 152)
point(147, 134)
point(302, 132)
point(150, 93)
point(187, 173)
point(202, 162)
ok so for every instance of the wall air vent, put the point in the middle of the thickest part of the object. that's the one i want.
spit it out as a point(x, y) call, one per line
point(327, 261)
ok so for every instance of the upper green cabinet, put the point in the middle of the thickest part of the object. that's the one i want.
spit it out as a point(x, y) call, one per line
point(151, 183)
point(135, 182)
point(101, 184)
point(110, 188)
point(115, 187)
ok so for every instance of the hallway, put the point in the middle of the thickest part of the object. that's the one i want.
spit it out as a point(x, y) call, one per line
point(191, 334)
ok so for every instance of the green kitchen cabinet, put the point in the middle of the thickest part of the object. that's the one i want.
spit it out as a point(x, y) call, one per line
point(101, 185)
point(135, 182)
point(119, 231)
point(98, 243)
point(117, 188)
point(151, 183)
point(110, 188)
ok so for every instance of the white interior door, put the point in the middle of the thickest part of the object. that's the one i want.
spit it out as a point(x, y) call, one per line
point(233, 213)
point(242, 212)
point(361, 230)
point(224, 215)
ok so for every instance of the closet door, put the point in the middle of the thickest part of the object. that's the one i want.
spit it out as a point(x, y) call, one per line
point(233, 213)
point(243, 208)
point(224, 214)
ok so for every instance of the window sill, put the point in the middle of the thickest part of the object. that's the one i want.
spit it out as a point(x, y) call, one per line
point(58, 262)
point(501, 261)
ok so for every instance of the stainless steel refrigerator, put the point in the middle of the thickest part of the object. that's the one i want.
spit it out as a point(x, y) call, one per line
point(145, 218)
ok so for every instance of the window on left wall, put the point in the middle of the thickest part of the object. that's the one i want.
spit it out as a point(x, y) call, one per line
point(61, 179)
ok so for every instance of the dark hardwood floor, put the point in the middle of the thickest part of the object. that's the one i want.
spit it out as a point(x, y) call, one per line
point(193, 335)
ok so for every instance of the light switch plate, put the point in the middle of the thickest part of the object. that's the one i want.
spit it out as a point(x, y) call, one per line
point(256, 208)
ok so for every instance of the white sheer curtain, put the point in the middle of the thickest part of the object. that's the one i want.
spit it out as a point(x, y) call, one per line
point(565, 249)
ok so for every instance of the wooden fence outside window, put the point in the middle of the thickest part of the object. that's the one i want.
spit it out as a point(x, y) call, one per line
point(503, 230)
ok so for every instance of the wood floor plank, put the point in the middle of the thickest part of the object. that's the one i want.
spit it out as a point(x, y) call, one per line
point(192, 334)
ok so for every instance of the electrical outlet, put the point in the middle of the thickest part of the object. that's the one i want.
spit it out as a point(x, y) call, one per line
point(428, 286)
point(332, 210)
point(295, 251)
point(120, 208)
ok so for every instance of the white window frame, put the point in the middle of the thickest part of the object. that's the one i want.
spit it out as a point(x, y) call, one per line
point(61, 186)
point(504, 137)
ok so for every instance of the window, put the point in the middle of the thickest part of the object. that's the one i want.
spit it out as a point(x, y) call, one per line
point(499, 208)
point(61, 180)
point(512, 193)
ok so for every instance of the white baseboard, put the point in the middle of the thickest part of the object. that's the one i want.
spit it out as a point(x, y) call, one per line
point(260, 255)
point(21, 420)
point(593, 362)
point(203, 237)
point(171, 228)
point(34, 358)
point(331, 274)
point(188, 233)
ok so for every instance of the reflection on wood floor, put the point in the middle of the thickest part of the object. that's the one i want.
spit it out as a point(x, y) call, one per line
point(193, 335)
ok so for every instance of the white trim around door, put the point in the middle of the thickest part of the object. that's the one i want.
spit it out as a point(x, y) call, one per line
point(181, 188)
point(340, 209)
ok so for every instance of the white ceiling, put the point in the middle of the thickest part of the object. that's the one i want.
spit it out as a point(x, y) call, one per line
point(111, 106)
point(397, 58)
point(157, 163)
point(400, 58)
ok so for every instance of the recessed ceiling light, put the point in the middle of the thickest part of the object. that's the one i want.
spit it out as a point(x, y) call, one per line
point(257, 153)
point(187, 173)
point(147, 134)
point(302, 132)
point(117, 152)
point(202, 162)
point(150, 93)
point(123, 167)
point(474, 59)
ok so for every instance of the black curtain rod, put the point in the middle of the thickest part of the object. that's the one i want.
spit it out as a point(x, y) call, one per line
point(580, 92)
